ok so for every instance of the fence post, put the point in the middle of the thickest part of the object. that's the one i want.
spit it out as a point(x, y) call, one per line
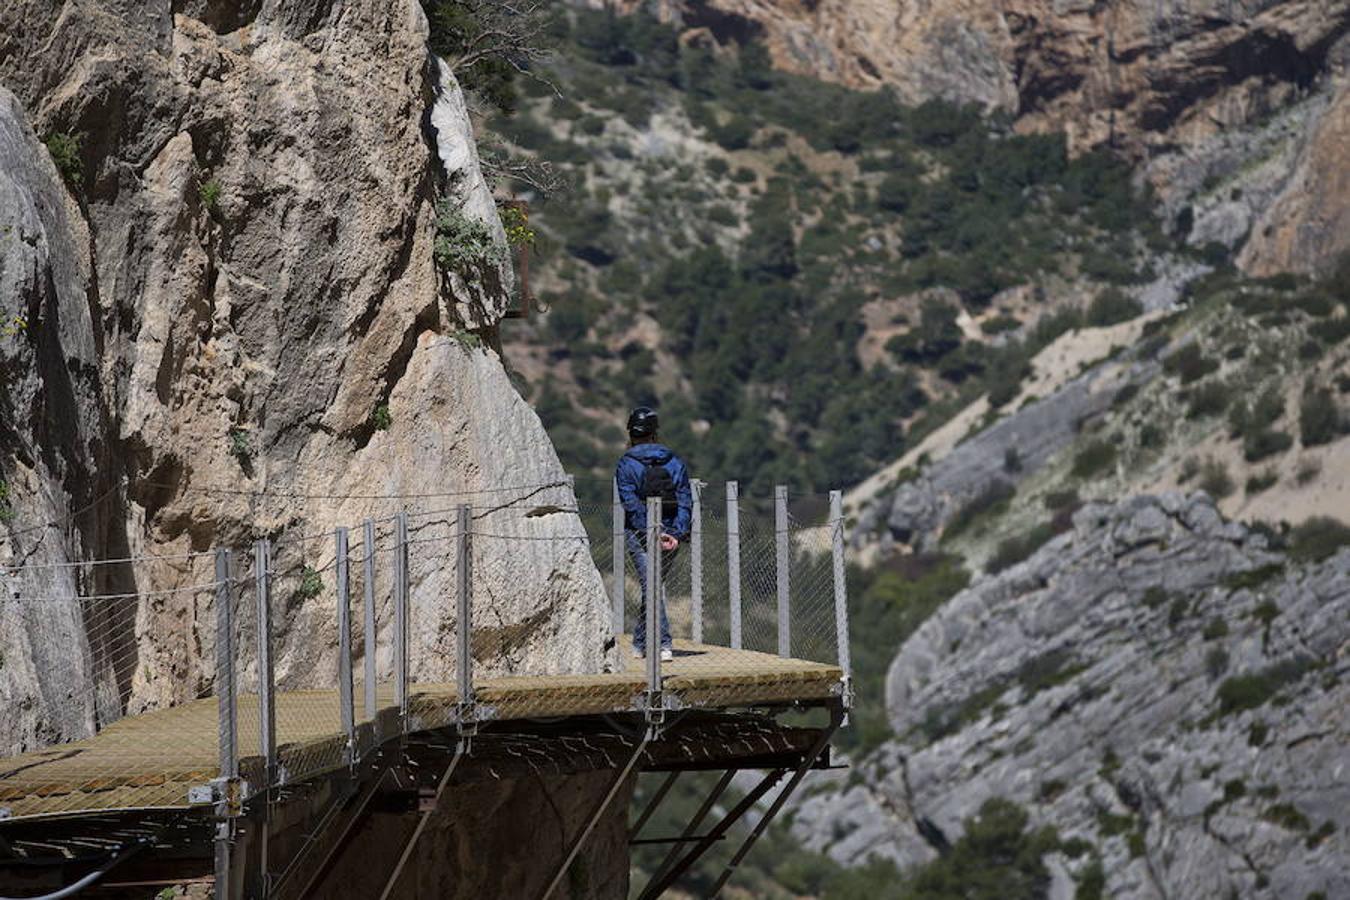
point(840, 582)
point(464, 611)
point(344, 616)
point(401, 582)
point(653, 598)
point(734, 561)
point(225, 689)
point(783, 558)
point(266, 689)
point(696, 561)
point(368, 589)
point(618, 566)
point(228, 732)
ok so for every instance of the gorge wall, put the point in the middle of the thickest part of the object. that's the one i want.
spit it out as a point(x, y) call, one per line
point(1165, 687)
point(236, 275)
point(1173, 85)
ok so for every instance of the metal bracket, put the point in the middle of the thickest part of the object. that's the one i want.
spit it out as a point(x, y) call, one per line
point(228, 793)
point(844, 691)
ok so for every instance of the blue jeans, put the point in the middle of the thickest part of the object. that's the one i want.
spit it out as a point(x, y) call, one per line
point(639, 555)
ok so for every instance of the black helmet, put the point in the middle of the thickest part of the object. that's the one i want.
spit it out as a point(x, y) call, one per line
point(642, 422)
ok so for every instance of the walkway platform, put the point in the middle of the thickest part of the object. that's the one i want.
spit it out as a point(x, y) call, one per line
point(150, 761)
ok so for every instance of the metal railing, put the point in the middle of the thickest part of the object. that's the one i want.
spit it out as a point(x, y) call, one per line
point(301, 654)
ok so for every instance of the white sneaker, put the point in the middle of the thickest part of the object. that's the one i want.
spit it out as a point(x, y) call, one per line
point(667, 654)
point(638, 654)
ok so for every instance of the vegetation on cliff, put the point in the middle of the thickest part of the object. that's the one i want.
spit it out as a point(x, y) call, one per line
point(763, 223)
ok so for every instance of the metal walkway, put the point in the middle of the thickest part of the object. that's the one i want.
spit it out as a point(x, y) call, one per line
point(234, 762)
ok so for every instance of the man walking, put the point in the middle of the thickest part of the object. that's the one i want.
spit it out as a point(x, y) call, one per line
point(650, 469)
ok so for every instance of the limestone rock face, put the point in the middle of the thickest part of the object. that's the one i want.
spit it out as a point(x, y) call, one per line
point(243, 280)
point(1177, 85)
point(1136, 72)
point(1157, 682)
point(1308, 226)
point(53, 427)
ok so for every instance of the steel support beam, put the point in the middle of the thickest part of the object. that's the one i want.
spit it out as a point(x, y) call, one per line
point(836, 717)
point(652, 806)
point(666, 880)
point(688, 834)
point(411, 843)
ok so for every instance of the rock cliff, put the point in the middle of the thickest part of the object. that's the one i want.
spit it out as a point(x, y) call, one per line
point(1166, 83)
point(236, 328)
point(1159, 683)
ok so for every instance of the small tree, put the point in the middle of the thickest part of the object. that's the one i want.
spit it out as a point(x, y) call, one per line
point(488, 43)
point(1319, 419)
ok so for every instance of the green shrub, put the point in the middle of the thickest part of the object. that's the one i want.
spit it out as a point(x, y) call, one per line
point(464, 245)
point(1177, 612)
point(241, 448)
point(1261, 481)
point(717, 167)
point(1013, 550)
point(1217, 628)
point(1215, 480)
point(1319, 417)
point(1208, 399)
point(1094, 459)
point(1057, 500)
point(1000, 324)
point(1216, 662)
point(1255, 689)
point(1252, 578)
point(721, 214)
point(1315, 839)
point(311, 584)
point(208, 192)
point(991, 501)
point(995, 857)
point(1155, 597)
point(1111, 307)
point(1264, 444)
point(1151, 436)
point(1317, 539)
point(1266, 612)
point(1331, 331)
point(380, 419)
point(1257, 733)
point(1091, 881)
point(1189, 364)
point(1287, 816)
point(65, 152)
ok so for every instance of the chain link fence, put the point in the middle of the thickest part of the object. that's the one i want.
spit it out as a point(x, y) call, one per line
point(273, 663)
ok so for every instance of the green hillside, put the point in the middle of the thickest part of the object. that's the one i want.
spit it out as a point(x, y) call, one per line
point(727, 225)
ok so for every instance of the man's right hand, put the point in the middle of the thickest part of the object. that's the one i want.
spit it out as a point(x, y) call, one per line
point(669, 542)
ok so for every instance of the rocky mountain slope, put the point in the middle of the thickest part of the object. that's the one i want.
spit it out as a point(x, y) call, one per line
point(233, 327)
point(1165, 687)
point(1173, 85)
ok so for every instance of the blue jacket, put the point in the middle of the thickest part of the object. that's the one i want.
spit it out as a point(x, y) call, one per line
point(628, 475)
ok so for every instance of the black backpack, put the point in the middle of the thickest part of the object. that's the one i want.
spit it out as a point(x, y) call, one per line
point(656, 482)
